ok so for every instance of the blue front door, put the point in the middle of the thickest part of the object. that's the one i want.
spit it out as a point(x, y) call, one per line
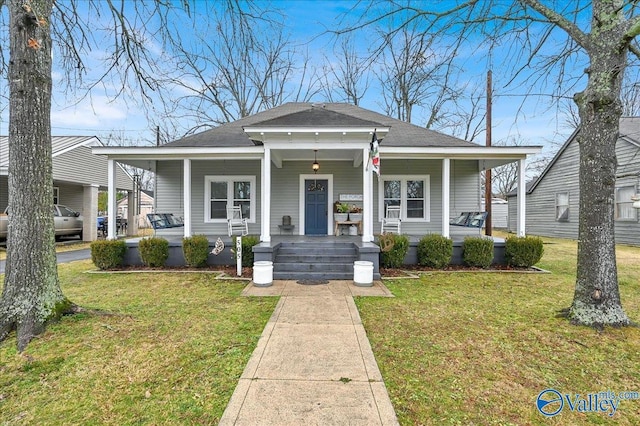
point(315, 210)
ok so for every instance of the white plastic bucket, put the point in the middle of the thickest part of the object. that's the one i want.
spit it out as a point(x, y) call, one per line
point(363, 273)
point(263, 273)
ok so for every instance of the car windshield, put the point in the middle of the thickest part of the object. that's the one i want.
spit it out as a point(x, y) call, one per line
point(64, 211)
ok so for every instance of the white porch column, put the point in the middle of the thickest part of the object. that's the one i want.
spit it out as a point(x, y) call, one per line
point(186, 196)
point(90, 213)
point(112, 211)
point(367, 199)
point(522, 194)
point(446, 195)
point(132, 218)
point(265, 206)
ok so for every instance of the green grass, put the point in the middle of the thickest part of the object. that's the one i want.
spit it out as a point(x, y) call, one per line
point(478, 348)
point(171, 354)
point(461, 348)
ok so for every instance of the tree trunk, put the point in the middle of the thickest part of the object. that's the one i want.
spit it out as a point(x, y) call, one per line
point(31, 295)
point(597, 299)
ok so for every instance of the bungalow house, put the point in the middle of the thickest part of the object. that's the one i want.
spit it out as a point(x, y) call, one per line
point(552, 200)
point(77, 177)
point(293, 162)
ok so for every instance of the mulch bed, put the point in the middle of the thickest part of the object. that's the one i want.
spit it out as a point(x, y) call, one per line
point(402, 272)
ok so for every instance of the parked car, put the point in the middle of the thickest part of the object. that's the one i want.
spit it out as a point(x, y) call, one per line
point(66, 221)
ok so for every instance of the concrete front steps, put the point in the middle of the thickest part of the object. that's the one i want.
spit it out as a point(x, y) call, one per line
point(320, 260)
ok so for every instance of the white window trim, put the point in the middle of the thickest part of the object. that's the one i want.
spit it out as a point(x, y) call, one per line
point(617, 202)
point(403, 196)
point(229, 179)
point(568, 207)
point(56, 195)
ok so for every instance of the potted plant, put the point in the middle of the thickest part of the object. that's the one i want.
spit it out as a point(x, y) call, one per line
point(355, 213)
point(342, 212)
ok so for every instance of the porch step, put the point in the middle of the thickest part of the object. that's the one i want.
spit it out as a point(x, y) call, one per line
point(315, 261)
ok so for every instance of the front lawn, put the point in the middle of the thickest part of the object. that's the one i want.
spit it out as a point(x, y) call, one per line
point(171, 354)
point(478, 348)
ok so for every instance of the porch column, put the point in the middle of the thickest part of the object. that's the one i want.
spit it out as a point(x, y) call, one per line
point(265, 206)
point(367, 199)
point(132, 217)
point(90, 213)
point(522, 194)
point(446, 195)
point(112, 211)
point(186, 196)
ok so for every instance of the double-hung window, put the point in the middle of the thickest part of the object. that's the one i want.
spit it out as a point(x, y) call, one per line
point(562, 206)
point(226, 191)
point(411, 193)
point(624, 204)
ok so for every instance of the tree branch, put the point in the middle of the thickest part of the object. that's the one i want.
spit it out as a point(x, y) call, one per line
point(556, 19)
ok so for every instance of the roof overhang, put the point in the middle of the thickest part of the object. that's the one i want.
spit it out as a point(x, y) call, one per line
point(143, 157)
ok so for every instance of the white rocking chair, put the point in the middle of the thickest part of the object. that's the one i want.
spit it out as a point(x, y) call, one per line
point(391, 222)
point(235, 222)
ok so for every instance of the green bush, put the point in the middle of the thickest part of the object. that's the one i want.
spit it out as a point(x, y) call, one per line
point(248, 241)
point(392, 254)
point(435, 251)
point(108, 254)
point(195, 250)
point(523, 252)
point(154, 251)
point(477, 251)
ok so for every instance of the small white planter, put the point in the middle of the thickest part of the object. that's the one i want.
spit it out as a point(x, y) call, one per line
point(363, 273)
point(340, 217)
point(355, 217)
point(263, 273)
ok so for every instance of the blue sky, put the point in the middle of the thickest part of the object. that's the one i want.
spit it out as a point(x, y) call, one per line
point(533, 120)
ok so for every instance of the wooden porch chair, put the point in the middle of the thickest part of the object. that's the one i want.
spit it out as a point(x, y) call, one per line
point(235, 222)
point(391, 221)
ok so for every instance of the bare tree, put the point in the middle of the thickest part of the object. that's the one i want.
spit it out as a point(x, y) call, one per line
point(31, 296)
point(348, 78)
point(408, 71)
point(228, 70)
point(599, 46)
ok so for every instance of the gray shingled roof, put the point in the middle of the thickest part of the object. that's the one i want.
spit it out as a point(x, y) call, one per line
point(330, 115)
point(58, 144)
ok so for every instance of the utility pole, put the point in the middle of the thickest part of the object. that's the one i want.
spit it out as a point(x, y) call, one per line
point(488, 193)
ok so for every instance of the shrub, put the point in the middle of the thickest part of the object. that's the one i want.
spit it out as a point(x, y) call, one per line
point(435, 251)
point(392, 255)
point(248, 241)
point(108, 254)
point(195, 250)
point(523, 252)
point(154, 251)
point(477, 251)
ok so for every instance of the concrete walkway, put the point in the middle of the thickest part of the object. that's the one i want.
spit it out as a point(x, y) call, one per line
point(313, 364)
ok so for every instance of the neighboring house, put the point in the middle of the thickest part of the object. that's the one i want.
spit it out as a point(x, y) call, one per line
point(146, 207)
point(499, 212)
point(77, 177)
point(263, 163)
point(552, 201)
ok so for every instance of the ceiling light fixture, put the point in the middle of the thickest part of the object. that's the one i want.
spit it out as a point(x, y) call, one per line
point(315, 166)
